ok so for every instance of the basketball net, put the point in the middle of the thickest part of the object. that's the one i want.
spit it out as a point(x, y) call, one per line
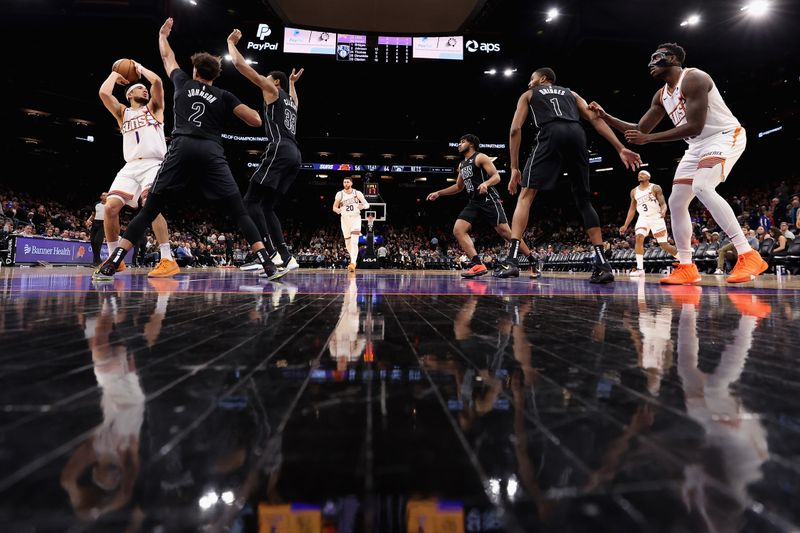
point(370, 222)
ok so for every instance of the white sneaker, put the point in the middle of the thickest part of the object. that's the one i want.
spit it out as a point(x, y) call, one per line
point(636, 273)
point(292, 265)
point(719, 272)
point(251, 266)
point(277, 260)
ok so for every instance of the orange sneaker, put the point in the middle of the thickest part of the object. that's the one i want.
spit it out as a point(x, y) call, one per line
point(164, 269)
point(748, 266)
point(351, 267)
point(749, 304)
point(685, 294)
point(478, 269)
point(683, 275)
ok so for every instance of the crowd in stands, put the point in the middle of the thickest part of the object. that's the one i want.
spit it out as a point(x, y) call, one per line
point(769, 211)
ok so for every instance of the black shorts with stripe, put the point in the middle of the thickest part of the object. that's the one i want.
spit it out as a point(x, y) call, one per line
point(489, 210)
point(279, 166)
point(198, 160)
point(560, 147)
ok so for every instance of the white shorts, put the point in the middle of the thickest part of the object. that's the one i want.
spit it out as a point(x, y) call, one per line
point(350, 225)
point(725, 147)
point(644, 226)
point(133, 181)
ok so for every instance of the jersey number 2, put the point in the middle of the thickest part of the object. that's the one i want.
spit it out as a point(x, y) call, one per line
point(199, 109)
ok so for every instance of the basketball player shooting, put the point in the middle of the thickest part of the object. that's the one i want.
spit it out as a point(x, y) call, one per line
point(648, 200)
point(716, 141)
point(349, 203)
point(143, 146)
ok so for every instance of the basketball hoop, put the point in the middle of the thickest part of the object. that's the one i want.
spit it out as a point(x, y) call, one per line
point(370, 220)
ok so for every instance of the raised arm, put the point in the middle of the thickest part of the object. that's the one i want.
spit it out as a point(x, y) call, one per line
point(267, 87)
point(167, 55)
point(292, 80)
point(630, 159)
point(156, 91)
point(695, 87)
point(629, 218)
point(114, 106)
point(647, 123)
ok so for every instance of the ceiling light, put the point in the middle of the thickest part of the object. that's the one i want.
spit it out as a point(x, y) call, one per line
point(691, 21)
point(552, 14)
point(758, 8)
point(509, 71)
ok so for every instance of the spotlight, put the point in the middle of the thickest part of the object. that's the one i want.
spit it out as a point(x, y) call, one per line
point(490, 72)
point(691, 21)
point(758, 8)
point(552, 14)
point(509, 71)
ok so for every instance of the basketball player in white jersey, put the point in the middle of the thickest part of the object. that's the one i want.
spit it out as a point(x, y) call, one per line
point(144, 147)
point(349, 203)
point(716, 141)
point(648, 200)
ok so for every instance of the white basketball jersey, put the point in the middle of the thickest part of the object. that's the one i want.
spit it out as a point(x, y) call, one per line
point(142, 135)
point(646, 202)
point(349, 203)
point(719, 117)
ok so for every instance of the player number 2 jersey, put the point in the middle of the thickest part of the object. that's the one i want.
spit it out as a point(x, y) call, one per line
point(718, 118)
point(142, 135)
point(646, 202)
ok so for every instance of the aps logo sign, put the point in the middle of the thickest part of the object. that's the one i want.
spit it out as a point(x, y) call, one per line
point(475, 46)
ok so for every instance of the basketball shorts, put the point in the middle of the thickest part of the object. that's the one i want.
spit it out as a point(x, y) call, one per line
point(656, 225)
point(350, 225)
point(491, 211)
point(560, 147)
point(725, 148)
point(279, 166)
point(134, 180)
point(198, 160)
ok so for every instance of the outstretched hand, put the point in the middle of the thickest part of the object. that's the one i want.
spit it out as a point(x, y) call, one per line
point(296, 75)
point(234, 37)
point(166, 28)
point(432, 196)
point(630, 159)
point(598, 110)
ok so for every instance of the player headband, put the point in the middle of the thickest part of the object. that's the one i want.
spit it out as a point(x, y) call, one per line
point(134, 86)
point(644, 172)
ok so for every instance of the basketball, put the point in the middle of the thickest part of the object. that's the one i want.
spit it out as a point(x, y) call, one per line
point(126, 68)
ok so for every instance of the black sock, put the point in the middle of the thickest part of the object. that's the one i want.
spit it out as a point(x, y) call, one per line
point(514, 252)
point(263, 257)
point(476, 260)
point(600, 253)
point(284, 251)
point(532, 260)
point(117, 256)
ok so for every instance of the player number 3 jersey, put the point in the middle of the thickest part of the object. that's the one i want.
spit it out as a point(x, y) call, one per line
point(646, 203)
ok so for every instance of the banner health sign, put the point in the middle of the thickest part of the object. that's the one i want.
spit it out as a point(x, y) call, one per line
point(34, 249)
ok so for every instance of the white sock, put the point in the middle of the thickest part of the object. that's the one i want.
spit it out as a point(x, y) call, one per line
point(640, 261)
point(354, 249)
point(682, 195)
point(347, 245)
point(705, 187)
point(166, 251)
point(112, 245)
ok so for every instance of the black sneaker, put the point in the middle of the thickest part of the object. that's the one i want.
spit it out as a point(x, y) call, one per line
point(105, 272)
point(602, 274)
point(506, 269)
point(535, 274)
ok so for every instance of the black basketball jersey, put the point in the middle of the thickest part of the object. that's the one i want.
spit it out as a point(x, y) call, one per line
point(280, 118)
point(473, 175)
point(200, 109)
point(551, 102)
